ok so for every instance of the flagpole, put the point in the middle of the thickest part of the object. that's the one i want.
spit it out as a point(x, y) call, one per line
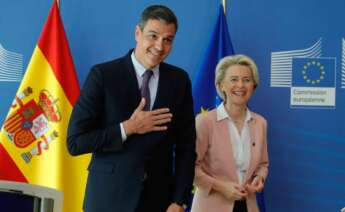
point(224, 6)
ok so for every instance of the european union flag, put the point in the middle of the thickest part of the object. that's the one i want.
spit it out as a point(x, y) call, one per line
point(313, 72)
point(204, 91)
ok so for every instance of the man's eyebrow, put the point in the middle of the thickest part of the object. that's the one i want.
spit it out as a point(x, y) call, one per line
point(170, 37)
point(152, 31)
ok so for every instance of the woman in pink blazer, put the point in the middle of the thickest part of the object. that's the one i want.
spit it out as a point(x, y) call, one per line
point(232, 162)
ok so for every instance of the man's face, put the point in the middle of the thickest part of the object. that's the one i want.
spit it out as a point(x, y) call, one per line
point(154, 42)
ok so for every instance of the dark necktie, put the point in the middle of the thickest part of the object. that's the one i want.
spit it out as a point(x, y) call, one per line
point(145, 90)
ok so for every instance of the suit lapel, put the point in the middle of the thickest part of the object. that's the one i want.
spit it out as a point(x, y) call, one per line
point(131, 86)
point(164, 89)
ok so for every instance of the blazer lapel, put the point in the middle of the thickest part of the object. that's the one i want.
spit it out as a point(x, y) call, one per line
point(252, 147)
point(226, 147)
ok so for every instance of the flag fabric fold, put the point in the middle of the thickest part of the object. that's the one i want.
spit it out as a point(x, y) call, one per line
point(204, 91)
point(33, 135)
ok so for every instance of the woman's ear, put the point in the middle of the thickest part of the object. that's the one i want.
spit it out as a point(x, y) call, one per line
point(221, 86)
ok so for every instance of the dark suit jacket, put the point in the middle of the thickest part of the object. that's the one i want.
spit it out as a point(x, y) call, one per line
point(156, 168)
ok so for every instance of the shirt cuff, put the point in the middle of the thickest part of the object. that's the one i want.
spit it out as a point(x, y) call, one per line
point(123, 133)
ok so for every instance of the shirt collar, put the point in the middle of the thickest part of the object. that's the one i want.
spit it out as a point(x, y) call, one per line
point(140, 69)
point(222, 114)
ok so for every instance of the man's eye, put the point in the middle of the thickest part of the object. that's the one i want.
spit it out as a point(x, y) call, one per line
point(153, 36)
point(168, 40)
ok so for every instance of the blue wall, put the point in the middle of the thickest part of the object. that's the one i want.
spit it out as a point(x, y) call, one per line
point(306, 145)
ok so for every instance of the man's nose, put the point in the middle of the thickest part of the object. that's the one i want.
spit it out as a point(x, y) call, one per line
point(159, 44)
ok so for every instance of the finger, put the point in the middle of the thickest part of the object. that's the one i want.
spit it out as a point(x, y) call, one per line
point(162, 116)
point(250, 188)
point(160, 128)
point(241, 194)
point(238, 187)
point(255, 188)
point(256, 181)
point(162, 121)
point(237, 196)
point(260, 187)
point(244, 193)
point(160, 111)
point(141, 105)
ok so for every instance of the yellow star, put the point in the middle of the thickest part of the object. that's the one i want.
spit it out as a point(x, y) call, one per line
point(194, 189)
point(203, 110)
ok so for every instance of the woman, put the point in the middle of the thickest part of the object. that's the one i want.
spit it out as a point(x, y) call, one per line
point(232, 162)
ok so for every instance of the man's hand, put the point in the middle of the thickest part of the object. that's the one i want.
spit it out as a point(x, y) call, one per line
point(142, 121)
point(175, 208)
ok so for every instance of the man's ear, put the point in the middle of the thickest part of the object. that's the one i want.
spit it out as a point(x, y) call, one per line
point(138, 32)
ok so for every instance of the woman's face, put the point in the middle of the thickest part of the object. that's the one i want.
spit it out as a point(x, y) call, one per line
point(238, 85)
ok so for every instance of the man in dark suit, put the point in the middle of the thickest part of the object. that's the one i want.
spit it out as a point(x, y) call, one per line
point(140, 130)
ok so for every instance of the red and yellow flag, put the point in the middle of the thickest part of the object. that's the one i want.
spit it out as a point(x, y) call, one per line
point(33, 136)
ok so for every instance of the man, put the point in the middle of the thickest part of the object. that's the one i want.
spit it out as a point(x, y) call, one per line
point(139, 129)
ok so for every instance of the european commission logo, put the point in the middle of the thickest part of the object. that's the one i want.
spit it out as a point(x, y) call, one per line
point(310, 77)
point(11, 66)
point(313, 82)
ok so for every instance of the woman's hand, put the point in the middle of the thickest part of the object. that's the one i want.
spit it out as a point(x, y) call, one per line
point(256, 185)
point(230, 190)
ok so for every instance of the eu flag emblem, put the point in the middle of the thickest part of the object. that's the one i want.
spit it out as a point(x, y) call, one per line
point(313, 72)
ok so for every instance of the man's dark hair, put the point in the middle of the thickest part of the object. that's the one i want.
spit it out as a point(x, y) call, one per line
point(158, 12)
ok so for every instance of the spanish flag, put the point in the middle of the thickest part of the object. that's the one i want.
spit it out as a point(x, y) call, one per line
point(33, 136)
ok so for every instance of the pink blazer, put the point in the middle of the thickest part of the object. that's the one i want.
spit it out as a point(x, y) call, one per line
point(215, 161)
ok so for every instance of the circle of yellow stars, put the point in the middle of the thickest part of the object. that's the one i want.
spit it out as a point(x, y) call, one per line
point(319, 66)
